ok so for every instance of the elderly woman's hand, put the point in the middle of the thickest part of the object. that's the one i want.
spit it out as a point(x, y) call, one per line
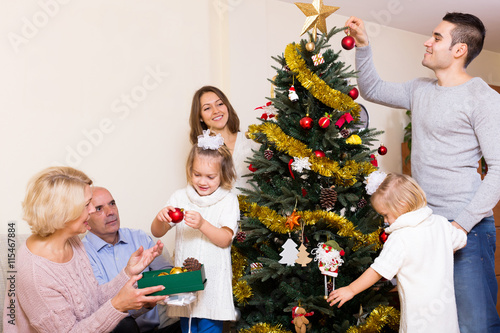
point(141, 259)
point(131, 298)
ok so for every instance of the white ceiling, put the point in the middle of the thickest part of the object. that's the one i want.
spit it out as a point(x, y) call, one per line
point(421, 16)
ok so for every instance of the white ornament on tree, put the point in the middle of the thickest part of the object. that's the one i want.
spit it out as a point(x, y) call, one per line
point(289, 254)
point(292, 94)
point(301, 163)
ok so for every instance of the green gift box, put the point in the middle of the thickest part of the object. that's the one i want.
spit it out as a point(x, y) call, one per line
point(175, 283)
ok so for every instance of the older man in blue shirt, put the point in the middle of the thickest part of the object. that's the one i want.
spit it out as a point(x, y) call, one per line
point(109, 247)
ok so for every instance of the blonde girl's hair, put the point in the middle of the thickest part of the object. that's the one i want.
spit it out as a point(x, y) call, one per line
point(221, 156)
point(54, 196)
point(197, 127)
point(399, 194)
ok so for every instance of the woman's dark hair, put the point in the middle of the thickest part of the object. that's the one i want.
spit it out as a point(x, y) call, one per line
point(197, 127)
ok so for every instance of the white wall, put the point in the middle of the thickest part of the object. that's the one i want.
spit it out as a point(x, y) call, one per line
point(66, 86)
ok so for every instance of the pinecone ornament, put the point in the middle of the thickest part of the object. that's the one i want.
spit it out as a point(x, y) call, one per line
point(328, 197)
point(329, 286)
point(268, 153)
point(241, 236)
point(191, 264)
point(345, 133)
point(362, 203)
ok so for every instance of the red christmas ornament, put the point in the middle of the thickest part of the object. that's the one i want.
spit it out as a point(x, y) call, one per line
point(382, 150)
point(290, 167)
point(176, 215)
point(373, 160)
point(319, 153)
point(304, 192)
point(354, 93)
point(324, 122)
point(383, 237)
point(306, 122)
point(348, 42)
point(251, 168)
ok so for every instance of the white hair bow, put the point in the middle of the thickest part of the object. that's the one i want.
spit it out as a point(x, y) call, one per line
point(373, 181)
point(207, 141)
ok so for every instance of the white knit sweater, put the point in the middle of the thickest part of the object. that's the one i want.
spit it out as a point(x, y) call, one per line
point(419, 252)
point(220, 209)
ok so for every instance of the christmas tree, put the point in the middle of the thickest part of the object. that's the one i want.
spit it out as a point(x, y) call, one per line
point(309, 200)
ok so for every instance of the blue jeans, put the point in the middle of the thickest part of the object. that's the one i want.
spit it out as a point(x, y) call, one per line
point(475, 281)
point(201, 325)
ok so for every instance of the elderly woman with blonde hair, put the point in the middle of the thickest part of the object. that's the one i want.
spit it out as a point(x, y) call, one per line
point(56, 290)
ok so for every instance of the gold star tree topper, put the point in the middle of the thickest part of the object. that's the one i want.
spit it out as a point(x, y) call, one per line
point(316, 16)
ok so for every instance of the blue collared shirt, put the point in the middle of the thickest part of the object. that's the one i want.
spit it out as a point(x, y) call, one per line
point(108, 261)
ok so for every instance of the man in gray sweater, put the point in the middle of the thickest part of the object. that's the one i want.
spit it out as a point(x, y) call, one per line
point(455, 121)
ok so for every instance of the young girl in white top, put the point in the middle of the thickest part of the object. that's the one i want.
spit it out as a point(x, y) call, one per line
point(210, 223)
point(418, 251)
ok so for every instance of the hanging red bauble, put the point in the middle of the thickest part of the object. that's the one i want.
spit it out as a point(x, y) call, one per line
point(304, 192)
point(319, 153)
point(324, 122)
point(373, 160)
point(354, 93)
point(348, 42)
point(306, 122)
point(251, 168)
point(382, 150)
point(383, 237)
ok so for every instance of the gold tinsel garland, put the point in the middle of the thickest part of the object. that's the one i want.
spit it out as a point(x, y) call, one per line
point(316, 86)
point(345, 176)
point(264, 328)
point(276, 223)
point(380, 316)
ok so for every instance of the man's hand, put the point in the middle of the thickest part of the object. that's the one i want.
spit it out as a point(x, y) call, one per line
point(141, 259)
point(356, 28)
point(458, 226)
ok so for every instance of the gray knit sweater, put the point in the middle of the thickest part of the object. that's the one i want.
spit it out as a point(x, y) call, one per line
point(452, 127)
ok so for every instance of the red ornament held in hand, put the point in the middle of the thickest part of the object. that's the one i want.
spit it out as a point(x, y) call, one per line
point(176, 215)
point(306, 122)
point(382, 150)
point(348, 42)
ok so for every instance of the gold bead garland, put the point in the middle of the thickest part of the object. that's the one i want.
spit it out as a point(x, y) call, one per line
point(345, 176)
point(316, 86)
